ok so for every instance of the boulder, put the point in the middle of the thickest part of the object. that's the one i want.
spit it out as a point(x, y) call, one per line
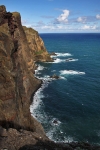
point(55, 76)
point(53, 54)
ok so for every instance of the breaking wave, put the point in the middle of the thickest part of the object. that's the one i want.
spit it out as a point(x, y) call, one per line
point(71, 72)
point(39, 68)
point(61, 55)
point(57, 60)
point(69, 60)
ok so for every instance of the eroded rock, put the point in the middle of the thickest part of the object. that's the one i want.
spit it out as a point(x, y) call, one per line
point(17, 81)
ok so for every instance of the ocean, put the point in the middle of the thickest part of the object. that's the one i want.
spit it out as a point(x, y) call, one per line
point(69, 107)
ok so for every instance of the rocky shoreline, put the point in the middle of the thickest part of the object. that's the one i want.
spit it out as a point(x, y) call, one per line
point(20, 48)
point(13, 139)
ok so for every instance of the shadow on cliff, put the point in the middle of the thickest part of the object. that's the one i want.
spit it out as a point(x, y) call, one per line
point(20, 138)
point(32, 95)
point(1, 132)
point(5, 126)
point(10, 124)
point(60, 146)
point(45, 146)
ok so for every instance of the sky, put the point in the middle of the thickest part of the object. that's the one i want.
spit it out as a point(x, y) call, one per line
point(58, 16)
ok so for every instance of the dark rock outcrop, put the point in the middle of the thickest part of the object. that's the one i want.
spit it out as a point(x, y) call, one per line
point(55, 76)
point(12, 139)
point(53, 54)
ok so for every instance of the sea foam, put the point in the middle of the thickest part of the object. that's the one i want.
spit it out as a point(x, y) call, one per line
point(37, 107)
point(61, 55)
point(37, 110)
point(71, 72)
point(69, 60)
point(58, 60)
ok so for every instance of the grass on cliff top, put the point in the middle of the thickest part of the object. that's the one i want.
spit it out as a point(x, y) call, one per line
point(16, 14)
point(30, 30)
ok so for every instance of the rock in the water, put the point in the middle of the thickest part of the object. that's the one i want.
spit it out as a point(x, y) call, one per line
point(55, 76)
point(55, 121)
point(69, 59)
point(53, 54)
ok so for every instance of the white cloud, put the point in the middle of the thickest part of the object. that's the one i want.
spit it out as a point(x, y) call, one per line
point(63, 24)
point(98, 16)
point(60, 27)
point(63, 17)
point(87, 27)
point(94, 27)
point(81, 19)
point(48, 27)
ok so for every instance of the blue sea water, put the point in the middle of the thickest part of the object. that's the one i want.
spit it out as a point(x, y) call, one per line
point(74, 99)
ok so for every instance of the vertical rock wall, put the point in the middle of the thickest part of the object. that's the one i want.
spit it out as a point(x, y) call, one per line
point(17, 81)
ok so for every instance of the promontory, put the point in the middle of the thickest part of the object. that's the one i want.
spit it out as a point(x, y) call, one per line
point(20, 48)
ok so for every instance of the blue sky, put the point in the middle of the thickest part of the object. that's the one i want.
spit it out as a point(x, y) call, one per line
point(58, 16)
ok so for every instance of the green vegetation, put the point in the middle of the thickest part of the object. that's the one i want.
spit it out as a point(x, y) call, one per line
point(39, 52)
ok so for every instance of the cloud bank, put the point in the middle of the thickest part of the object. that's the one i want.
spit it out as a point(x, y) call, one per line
point(66, 23)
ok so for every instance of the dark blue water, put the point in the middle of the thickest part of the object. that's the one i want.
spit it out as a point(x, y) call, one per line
point(74, 99)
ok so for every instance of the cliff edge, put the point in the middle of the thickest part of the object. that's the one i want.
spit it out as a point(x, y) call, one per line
point(36, 45)
point(17, 81)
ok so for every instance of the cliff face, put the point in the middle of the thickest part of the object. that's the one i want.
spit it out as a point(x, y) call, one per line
point(17, 82)
point(38, 50)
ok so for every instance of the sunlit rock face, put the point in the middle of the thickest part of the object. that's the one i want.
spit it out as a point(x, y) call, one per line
point(36, 44)
point(17, 81)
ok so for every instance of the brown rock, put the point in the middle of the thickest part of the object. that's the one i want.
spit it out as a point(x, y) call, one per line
point(38, 50)
point(17, 81)
point(3, 132)
point(2, 8)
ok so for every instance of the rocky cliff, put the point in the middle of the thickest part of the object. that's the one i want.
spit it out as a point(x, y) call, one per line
point(36, 45)
point(20, 47)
